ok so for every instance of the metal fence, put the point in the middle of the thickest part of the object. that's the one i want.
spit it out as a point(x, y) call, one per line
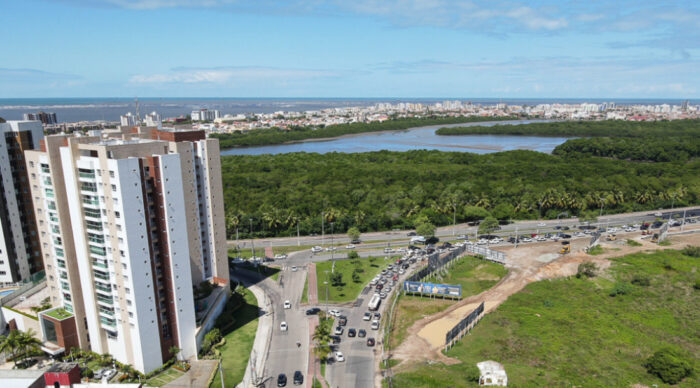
point(463, 327)
point(488, 254)
point(594, 239)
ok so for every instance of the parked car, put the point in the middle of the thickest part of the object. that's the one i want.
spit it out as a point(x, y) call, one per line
point(339, 357)
point(342, 320)
point(362, 333)
point(375, 325)
point(370, 341)
point(338, 330)
point(334, 313)
point(352, 332)
point(335, 339)
point(313, 311)
point(367, 316)
point(377, 315)
point(282, 380)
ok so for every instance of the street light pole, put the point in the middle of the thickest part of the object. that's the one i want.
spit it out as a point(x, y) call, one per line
point(332, 241)
point(252, 241)
point(323, 227)
point(326, 291)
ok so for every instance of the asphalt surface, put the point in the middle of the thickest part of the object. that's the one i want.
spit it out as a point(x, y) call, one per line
point(447, 232)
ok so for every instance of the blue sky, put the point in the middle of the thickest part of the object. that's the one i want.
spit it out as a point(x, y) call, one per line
point(350, 48)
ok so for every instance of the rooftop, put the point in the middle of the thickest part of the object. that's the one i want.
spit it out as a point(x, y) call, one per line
point(59, 313)
point(62, 367)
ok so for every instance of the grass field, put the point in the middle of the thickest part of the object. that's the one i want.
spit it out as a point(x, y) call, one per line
point(239, 342)
point(473, 274)
point(349, 291)
point(571, 332)
point(305, 292)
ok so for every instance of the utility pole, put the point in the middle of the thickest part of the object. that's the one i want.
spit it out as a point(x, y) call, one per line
point(516, 236)
point(683, 222)
point(322, 226)
point(252, 241)
point(454, 218)
point(298, 241)
point(332, 247)
point(326, 271)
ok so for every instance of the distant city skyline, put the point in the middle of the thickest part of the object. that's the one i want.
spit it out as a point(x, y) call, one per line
point(361, 49)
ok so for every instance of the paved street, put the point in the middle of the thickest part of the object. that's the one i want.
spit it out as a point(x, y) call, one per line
point(446, 232)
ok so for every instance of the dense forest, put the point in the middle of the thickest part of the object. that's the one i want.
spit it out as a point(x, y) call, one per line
point(385, 190)
point(658, 141)
point(278, 136)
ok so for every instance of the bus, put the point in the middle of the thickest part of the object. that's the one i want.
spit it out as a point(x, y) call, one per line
point(374, 302)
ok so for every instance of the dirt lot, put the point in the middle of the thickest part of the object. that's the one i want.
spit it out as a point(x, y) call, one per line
point(528, 263)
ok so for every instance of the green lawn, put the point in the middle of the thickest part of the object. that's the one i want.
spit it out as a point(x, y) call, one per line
point(239, 342)
point(349, 291)
point(571, 332)
point(475, 275)
point(305, 293)
point(164, 377)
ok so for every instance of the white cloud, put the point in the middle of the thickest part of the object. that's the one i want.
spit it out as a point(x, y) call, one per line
point(223, 75)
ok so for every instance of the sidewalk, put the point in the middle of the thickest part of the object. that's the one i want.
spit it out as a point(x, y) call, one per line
point(313, 288)
point(198, 375)
point(263, 336)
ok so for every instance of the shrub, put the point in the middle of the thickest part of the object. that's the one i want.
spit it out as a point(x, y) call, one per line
point(87, 372)
point(692, 251)
point(356, 277)
point(639, 280)
point(586, 269)
point(472, 373)
point(620, 288)
point(633, 243)
point(353, 255)
point(669, 365)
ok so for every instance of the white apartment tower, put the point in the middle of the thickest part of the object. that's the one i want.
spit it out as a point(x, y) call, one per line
point(20, 253)
point(128, 224)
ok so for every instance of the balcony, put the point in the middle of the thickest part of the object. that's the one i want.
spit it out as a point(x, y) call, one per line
point(102, 288)
point(98, 251)
point(87, 186)
point(108, 321)
point(61, 263)
point(99, 263)
point(105, 300)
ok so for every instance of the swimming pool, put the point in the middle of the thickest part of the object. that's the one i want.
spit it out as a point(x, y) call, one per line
point(6, 292)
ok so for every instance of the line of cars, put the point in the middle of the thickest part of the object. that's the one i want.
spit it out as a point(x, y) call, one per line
point(298, 379)
point(342, 322)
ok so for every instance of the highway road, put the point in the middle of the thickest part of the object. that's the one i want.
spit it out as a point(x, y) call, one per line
point(446, 232)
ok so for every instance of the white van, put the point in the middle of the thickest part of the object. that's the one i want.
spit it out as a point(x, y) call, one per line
point(418, 240)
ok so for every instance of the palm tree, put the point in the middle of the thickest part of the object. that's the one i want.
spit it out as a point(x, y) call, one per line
point(644, 197)
point(322, 336)
point(233, 220)
point(27, 342)
point(10, 343)
point(272, 218)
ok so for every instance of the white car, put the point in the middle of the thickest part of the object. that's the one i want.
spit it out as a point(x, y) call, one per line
point(287, 304)
point(334, 313)
point(375, 325)
point(283, 326)
point(316, 249)
point(541, 224)
point(367, 316)
point(338, 330)
point(482, 241)
point(280, 257)
point(339, 357)
point(350, 246)
point(294, 268)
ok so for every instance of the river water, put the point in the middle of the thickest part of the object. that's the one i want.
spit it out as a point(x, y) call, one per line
point(421, 138)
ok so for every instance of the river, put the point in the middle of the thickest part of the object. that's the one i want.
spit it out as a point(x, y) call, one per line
point(419, 138)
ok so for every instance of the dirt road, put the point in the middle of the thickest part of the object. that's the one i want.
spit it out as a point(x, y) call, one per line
point(526, 264)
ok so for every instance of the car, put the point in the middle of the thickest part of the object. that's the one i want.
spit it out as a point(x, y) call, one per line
point(280, 257)
point(313, 311)
point(370, 341)
point(338, 330)
point(352, 332)
point(342, 320)
point(339, 357)
point(362, 333)
point(287, 304)
point(335, 339)
point(541, 224)
point(462, 237)
point(283, 326)
point(282, 380)
point(268, 259)
point(374, 325)
point(382, 295)
point(379, 287)
point(367, 316)
point(411, 234)
point(298, 378)
point(377, 315)
point(98, 374)
point(350, 246)
point(294, 268)
point(334, 313)
point(316, 249)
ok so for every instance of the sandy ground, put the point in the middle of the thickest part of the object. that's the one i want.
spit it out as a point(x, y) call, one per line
point(528, 263)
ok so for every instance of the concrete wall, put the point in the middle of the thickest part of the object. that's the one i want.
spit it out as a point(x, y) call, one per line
point(23, 322)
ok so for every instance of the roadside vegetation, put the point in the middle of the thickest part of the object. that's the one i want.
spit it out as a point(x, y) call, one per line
point(237, 326)
point(637, 323)
point(474, 275)
point(386, 190)
point(658, 141)
point(269, 136)
point(348, 279)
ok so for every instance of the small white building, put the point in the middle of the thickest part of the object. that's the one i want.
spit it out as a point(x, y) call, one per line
point(492, 373)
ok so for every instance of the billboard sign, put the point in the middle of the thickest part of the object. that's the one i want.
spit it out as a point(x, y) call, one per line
point(432, 288)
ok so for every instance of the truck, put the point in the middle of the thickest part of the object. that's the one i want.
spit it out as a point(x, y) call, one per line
point(374, 302)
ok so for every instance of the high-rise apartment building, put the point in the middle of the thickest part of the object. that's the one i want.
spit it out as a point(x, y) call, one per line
point(44, 117)
point(129, 222)
point(20, 253)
